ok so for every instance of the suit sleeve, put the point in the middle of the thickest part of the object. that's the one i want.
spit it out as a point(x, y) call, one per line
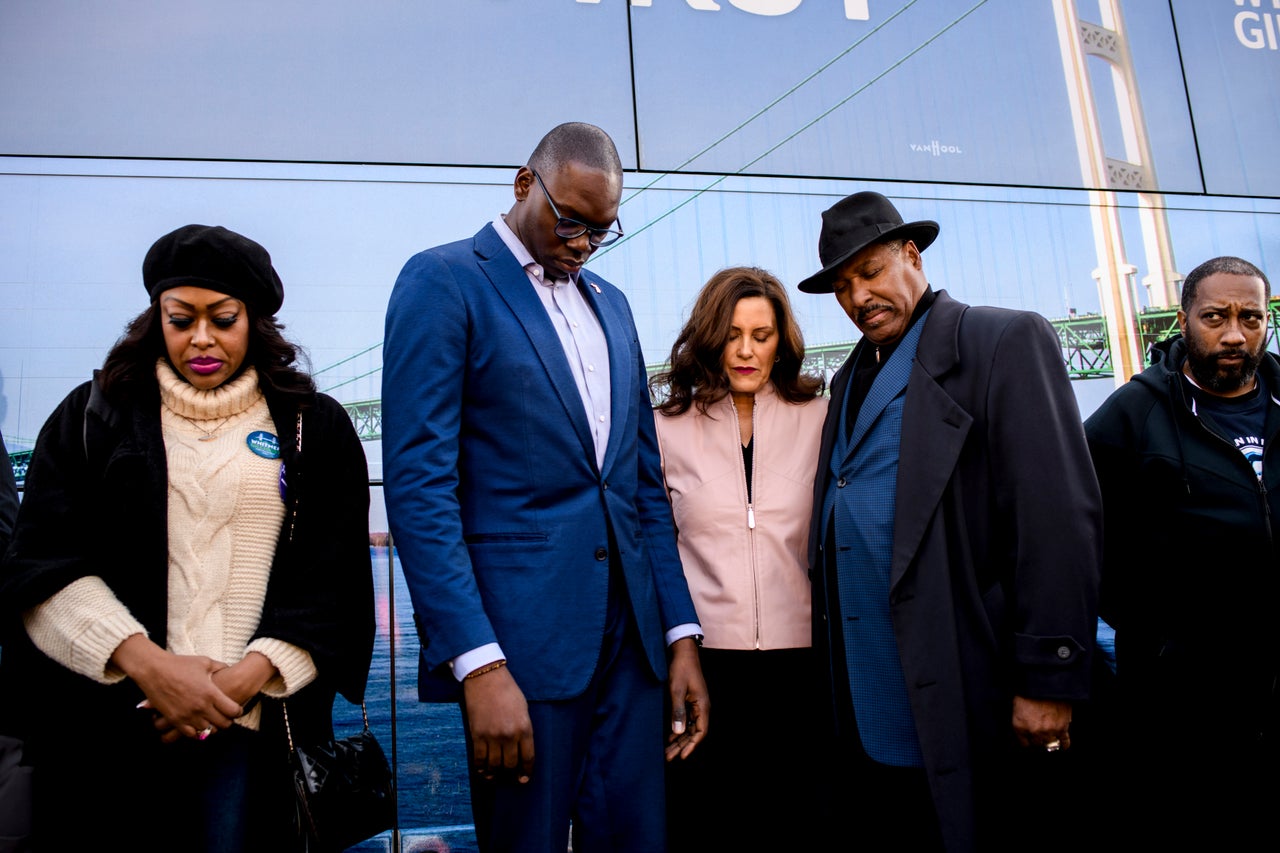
point(425, 361)
point(657, 523)
point(1049, 506)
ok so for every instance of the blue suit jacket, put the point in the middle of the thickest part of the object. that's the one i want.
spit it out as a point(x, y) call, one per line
point(500, 514)
point(861, 503)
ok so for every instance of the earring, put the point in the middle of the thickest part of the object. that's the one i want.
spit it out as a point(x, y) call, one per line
point(777, 358)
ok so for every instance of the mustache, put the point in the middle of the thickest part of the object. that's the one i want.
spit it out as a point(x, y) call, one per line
point(868, 309)
point(1236, 352)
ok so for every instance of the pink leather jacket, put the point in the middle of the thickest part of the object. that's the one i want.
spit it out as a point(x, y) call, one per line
point(746, 563)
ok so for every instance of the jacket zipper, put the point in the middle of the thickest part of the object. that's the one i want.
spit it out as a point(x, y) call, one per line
point(751, 506)
point(751, 512)
point(1262, 486)
point(1235, 451)
point(1262, 493)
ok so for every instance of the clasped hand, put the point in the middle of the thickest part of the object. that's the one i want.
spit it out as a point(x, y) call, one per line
point(188, 695)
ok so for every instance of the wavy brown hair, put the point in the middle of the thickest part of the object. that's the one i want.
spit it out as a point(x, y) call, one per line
point(129, 373)
point(696, 375)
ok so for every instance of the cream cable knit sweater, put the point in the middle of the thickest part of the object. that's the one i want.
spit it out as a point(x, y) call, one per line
point(225, 514)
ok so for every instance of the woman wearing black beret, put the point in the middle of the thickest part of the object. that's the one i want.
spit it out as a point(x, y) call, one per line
point(191, 548)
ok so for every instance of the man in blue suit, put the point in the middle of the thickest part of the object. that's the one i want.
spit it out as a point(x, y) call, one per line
point(525, 497)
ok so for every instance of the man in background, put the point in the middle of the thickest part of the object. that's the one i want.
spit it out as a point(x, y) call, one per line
point(8, 497)
point(1191, 494)
point(15, 777)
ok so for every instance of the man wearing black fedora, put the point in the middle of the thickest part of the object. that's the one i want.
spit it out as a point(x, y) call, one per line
point(954, 549)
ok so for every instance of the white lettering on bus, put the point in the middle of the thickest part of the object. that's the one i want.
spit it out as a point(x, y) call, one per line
point(934, 147)
point(1257, 30)
point(854, 10)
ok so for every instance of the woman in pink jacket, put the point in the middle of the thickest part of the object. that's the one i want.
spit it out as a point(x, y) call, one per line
point(739, 430)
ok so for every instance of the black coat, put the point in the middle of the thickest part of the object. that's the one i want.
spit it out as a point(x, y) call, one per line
point(1192, 557)
point(95, 503)
point(8, 497)
point(996, 549)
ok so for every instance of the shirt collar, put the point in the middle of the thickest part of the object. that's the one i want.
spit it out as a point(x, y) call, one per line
point(532, 267)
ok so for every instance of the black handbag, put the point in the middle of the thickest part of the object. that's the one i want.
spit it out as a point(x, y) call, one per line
point(344, 788)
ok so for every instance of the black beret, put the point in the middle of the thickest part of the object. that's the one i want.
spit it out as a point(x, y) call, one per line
point(213, 257)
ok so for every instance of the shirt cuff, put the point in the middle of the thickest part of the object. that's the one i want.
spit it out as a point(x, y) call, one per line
point(474, 659)
point(688, 629)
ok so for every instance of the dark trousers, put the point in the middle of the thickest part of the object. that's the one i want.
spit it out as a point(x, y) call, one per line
point(892, 802)
point(1203, 774)
point(751, 784)
point(598, 764)
point(226, 794)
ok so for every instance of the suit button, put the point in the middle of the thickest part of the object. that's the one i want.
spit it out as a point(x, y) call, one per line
point(602, 554)
point(1063, 652)
point(840, 483)
point(606, 485)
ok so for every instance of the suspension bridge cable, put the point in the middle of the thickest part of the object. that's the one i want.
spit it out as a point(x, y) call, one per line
point(367, 349)
point(802, 128)
point(354, 378)
point(841, 55)
point(697, 193)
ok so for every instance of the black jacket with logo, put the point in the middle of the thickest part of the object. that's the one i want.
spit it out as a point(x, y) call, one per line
point(1190, 568)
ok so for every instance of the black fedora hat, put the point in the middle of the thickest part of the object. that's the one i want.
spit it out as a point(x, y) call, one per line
point(855, 222)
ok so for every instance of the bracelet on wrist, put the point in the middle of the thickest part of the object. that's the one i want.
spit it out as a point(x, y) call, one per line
point(489, 667)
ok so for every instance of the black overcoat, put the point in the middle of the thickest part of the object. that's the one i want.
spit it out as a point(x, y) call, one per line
point(996, 548)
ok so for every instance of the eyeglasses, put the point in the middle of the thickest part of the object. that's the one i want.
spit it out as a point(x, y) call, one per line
point(569, 229)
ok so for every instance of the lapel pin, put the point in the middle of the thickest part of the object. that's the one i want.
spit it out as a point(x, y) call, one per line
point(594, 286)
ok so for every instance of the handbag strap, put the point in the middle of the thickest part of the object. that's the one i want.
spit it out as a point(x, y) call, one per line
point(284, 706)
point(293, 512)
point(293, 518)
